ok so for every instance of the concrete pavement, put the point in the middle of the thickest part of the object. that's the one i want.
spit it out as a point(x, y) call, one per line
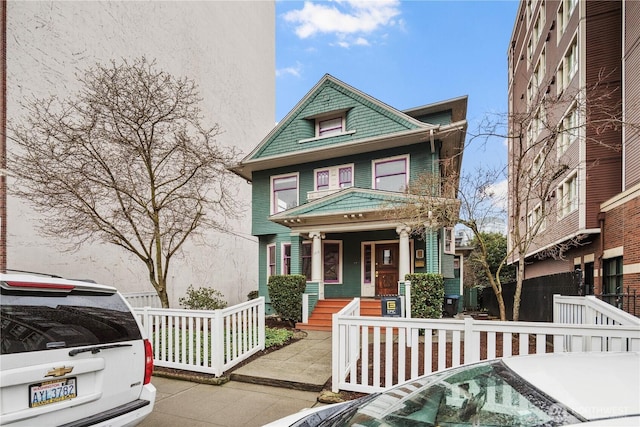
point(266, 389)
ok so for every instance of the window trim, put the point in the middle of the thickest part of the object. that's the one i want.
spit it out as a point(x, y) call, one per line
point(568, 135)
point(448, 244)
point(340, 261)
point(568, 206)
point(270, 247)
point(272, 202)
point(374, 177)
point(333, 176)
point(283, 258)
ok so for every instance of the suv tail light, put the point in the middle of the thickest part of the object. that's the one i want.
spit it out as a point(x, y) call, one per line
point(148, 362)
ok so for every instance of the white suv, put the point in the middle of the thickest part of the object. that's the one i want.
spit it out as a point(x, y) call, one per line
point(71, 354)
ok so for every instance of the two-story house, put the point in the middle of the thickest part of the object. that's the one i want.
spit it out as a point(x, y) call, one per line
point(321, 183)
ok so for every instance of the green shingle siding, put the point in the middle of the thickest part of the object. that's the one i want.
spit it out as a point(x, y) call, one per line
point(364, 117)
point(438, 118)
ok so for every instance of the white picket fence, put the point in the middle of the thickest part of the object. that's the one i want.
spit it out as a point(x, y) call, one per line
point(394, 341)
point(143, 299)
point(205, 341)
point(589, 310)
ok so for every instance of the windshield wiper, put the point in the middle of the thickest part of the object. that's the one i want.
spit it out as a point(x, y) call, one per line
point(96, 348)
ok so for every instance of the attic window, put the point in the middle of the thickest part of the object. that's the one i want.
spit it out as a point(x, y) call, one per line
point(331, 126)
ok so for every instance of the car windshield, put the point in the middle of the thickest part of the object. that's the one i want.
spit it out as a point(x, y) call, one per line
point(484, 394)
point(33, 321)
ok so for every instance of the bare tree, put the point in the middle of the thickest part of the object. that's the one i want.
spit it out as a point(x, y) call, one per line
point(537, 140)
point(125, 161)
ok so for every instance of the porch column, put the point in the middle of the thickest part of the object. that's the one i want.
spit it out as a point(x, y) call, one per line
point(316, 261)
point(404, 265)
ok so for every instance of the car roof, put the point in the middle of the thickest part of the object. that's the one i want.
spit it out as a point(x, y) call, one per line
point(33, 278)
point(594, 385)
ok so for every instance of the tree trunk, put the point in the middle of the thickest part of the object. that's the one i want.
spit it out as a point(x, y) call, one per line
point(518, 292)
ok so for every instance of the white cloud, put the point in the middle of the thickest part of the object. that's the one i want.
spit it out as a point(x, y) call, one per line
point(292, 71)
point(344, 18)
point(499, 192)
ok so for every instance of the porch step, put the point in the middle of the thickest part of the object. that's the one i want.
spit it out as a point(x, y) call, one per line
point(321, 318)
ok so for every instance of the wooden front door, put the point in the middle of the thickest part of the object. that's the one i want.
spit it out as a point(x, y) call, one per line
point(387, 269)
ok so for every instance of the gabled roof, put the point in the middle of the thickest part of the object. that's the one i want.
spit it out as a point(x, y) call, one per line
point(293, 140)
point(345, 207)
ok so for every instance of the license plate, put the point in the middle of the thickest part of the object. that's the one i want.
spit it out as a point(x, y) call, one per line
point(52, 391)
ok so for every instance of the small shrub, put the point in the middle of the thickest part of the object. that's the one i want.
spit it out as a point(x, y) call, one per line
point(285, 292)
point(276, 336)
point(202, 299)
point(252, 295)
point(427, 295)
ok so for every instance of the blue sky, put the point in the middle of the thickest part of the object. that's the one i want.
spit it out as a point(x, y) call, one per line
point(404, 53)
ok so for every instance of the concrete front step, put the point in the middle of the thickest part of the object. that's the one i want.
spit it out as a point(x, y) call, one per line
point(322, 316)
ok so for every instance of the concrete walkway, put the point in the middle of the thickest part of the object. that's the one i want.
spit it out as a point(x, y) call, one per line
point(303, 365)
point(272, 386)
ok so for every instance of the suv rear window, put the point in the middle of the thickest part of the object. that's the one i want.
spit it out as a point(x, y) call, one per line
point(35, 321)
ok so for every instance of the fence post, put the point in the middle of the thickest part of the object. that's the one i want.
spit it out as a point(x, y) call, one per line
point(217, 343)
point(556, 308)
point(305, 308)
point(335, 353)
point(471, 341)
point(261, 324)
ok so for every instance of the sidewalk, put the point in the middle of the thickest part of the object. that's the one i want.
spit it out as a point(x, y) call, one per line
point(268, 388)
point(303, 365)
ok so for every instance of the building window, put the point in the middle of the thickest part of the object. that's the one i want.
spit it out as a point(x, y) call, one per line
point(564, 14)
point(331, 126)
point(612, 280)
point(568, 129)
point(568, 196)
point(391, 174)
point(535, 220)
point(571, 62)
point(271, 260)
point(345, 177)
point(285, 193)
point(306, 260)
point(334, 178)
point(286, 258)
point(449, 241)
point(322, 180)
point(366, 263)
point(332, 268)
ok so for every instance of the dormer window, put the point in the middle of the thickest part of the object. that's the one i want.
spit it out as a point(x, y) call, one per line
point(331, 126)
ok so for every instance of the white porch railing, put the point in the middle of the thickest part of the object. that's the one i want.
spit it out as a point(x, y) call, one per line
point(202, 340)
point(589, 310)
point(143, 299)
point(427, 345)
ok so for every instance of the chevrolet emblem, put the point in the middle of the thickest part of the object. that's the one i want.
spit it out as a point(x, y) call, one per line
point(58, 372)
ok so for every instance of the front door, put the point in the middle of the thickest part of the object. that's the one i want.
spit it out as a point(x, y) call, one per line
point(387, 269)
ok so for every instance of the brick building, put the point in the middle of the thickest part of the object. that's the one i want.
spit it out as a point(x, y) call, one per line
point(574, 90)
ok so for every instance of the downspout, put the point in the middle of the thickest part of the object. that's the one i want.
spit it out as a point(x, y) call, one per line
point(601, 216)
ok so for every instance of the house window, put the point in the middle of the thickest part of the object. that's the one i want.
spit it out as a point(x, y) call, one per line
point(322, 180)
point(612, 281)
point(271, 260)
point(328, 127)
point(535, 220)
point(391, 174)
point(334, 178)
point(568, 195)
point(332, 267)
point(286, 258)
point(345, 177)
point(306, 260)
point(449, 241)
point(285, 193)
point(366, 254)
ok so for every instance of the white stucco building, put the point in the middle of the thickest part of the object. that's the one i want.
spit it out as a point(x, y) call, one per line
point(228, 48)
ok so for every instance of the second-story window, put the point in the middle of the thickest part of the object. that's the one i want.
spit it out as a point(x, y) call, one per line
point(391, 174)
point(568, 196)
point(334, 178)
point(285, 192)
point(330, 126)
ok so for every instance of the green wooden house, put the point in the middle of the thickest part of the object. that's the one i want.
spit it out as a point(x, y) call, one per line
point(322, 180)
